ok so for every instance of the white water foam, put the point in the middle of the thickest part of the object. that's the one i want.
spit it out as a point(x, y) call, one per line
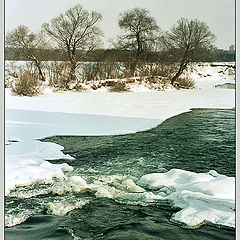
point(13, 220)
point(202, 197)
point(61, 208)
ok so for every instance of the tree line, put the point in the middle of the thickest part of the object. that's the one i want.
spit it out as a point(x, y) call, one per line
point(75, 36)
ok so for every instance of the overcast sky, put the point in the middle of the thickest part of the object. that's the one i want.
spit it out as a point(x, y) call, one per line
point(218, 14)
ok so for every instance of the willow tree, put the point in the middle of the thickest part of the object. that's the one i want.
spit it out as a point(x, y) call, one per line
point(140, 32)
point(75, 30)
point(187, 41)
point(29, 44)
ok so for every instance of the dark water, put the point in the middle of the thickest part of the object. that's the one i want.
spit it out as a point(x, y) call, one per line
point(197, 141)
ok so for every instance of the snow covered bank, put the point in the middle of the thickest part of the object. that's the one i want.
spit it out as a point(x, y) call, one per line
point(208, 75)
point(141, 102)
point(154, 105)
point(195, 72)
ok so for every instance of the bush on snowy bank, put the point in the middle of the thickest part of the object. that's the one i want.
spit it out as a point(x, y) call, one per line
point(153, 76)
point(57, 75)
point(155, 69)
point(28, 84)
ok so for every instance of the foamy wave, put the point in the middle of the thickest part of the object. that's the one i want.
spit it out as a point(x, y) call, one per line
point(73, 184)
point(15, 219)
point(63, 207)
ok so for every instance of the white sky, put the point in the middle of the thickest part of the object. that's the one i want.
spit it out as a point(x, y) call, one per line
point(218, 14)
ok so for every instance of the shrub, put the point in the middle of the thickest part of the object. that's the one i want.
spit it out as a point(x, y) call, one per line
point(92, 71)
point(7, 82)
point(28, 84)
point(11, 73)
point(155, 69)
point(62, 83)
point(95, 87)
point(120, 86)
point(112, 68)
point(109, 83)
point(58, 73)
point(162, 70)
point(107, 69)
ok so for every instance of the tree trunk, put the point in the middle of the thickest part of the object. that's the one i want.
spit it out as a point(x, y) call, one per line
point(133, 65)
point(41, 73)
point(183, 66)
point(173, 79)
point(73, 63)
point(37, 63)
point(73, 71)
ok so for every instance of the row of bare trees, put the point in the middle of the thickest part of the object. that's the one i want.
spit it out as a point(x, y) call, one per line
point(77, 30)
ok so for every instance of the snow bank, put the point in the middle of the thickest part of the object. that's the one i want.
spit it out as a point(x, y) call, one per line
point(210, 74)
point(200, 72)
point(152, 105)
point(141, 102)
point(203, 197)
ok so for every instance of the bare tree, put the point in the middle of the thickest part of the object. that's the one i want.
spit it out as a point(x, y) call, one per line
point(28, 43)
point(75, 30)
point(140, 31)
point(187, 41)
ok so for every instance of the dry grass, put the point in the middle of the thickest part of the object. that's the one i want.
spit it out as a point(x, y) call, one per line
point(7, 82)
point(120, 86)
point(155, 69)
point(10, 74)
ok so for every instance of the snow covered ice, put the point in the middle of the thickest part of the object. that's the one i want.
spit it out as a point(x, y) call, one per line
point(203, 197)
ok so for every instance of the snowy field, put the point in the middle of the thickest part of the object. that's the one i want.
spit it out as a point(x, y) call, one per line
point(95, 113)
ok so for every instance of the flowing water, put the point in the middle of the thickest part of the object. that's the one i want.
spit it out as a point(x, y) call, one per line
point(197, 141)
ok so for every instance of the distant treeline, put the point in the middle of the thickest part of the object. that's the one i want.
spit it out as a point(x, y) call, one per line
point(99, 55)
point(223, 56)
